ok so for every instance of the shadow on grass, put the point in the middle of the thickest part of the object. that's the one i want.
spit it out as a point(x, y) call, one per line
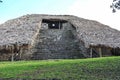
point(27, 79)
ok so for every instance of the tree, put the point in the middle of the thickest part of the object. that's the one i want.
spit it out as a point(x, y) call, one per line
point(1, 1)
point(115, 5)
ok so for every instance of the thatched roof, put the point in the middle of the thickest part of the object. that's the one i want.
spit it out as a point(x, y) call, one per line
point(23, 30)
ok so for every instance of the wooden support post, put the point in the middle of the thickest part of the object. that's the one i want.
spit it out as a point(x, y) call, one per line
point(91, 52)
point(12, 57)
point(114, 51)
point(100, 52)
point(12, 54)
point(59, 24)
point(20, 53)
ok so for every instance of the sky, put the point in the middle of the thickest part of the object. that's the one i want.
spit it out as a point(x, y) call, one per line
point(98, 10)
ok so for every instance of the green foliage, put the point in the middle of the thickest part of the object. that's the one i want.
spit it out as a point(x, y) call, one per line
point(107, 68)
point(115, 5)
point(1, 1)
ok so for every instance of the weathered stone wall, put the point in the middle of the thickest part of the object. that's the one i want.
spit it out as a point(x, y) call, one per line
point(57, 43)
point(49, 44)
point(15, 52)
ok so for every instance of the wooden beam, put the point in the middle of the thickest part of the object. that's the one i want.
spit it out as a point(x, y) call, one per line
point(100, 52)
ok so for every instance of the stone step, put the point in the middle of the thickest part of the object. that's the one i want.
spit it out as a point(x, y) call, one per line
point(46, 47)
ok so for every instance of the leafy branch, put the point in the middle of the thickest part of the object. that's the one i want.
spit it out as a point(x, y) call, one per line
point(115, 5)
point(1, 1)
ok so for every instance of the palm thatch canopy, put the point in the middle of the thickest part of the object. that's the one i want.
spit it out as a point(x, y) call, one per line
point(23, 30)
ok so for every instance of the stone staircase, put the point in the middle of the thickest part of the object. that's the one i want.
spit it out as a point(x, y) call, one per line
point(56, 44)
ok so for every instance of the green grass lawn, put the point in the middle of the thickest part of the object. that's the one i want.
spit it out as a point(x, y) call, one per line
point(107, 68)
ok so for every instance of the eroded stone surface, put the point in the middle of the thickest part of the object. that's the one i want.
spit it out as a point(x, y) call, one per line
point(57, 43)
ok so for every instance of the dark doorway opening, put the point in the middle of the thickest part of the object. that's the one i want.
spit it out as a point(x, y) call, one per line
point(115, 51)
point(54, 23)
